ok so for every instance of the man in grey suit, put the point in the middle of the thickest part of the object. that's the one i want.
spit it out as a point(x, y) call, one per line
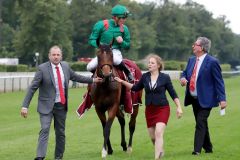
point(52, 79)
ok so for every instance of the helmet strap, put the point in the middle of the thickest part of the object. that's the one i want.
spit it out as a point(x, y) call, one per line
point(115, 19)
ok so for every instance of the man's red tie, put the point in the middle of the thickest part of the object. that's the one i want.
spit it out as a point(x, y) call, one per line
point(60, 86)
point(193, 77)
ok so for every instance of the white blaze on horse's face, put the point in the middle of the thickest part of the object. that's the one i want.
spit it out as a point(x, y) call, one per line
point(106, 70)
point(106, 62)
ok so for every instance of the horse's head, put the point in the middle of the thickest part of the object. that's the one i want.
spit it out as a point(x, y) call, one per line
point(105, 61)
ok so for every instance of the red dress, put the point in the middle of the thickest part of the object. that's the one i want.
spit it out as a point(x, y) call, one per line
point(155, 114)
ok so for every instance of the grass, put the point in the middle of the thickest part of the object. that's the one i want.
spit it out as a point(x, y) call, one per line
point(84, 138)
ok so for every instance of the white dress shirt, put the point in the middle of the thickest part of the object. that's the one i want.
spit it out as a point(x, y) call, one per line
point(201, 58)
point(58, 99)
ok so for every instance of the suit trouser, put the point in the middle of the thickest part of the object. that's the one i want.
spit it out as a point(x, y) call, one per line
point(59, 115)
point(202, 136)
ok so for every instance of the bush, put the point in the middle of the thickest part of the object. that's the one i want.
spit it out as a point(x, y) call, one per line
point(78, 66)
point(141, 66)
point(226, 67)
point(3, 68)
point(32, 69)
point(174, 65)
point(168, 65)
point(11, 68)
point(22, 68)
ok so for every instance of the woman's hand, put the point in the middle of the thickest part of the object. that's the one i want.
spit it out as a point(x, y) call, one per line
point(118, 79)
point(179, 112)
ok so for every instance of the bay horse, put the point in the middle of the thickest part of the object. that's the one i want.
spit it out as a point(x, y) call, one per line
point(106, 97)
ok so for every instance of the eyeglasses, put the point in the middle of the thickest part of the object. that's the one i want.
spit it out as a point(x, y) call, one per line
point(122, 17)
point(195, 44)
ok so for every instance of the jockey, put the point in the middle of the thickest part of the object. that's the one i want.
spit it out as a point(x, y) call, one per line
point(112, 32)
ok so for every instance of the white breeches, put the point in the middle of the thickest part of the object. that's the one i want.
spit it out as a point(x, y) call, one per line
point(117, 59)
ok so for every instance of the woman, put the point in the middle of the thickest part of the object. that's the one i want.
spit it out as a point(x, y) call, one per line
point(157, 109)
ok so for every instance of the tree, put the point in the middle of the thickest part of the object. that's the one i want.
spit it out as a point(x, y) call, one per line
point(84, 14)
point(43, 23)
point(8, 23)
point(0, 23)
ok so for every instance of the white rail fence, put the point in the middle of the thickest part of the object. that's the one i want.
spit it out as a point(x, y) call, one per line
point(19, 81)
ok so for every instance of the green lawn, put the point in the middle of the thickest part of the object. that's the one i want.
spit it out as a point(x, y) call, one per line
point(84, 138)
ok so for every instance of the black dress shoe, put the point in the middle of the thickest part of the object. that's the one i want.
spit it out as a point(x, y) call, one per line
point(39, 158)
point(208, 151)
point(195, 153)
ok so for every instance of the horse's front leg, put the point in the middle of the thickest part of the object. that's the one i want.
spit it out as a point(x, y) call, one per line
point(103, 119)
point(107, 144)
point(107, 129)
point(132, 125)
point(121, 121)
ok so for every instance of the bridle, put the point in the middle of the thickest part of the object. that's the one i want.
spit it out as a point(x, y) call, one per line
point(104, 49)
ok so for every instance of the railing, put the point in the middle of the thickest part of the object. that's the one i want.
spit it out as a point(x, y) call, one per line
point(14, 83)
point(230, 73)
point(19, 81)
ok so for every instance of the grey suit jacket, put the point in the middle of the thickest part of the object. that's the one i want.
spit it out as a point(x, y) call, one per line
point(44, 80)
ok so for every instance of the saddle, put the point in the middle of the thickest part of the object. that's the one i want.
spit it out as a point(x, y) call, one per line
point(128, 98)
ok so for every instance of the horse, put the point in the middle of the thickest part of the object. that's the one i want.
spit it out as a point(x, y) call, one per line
point(106, 97)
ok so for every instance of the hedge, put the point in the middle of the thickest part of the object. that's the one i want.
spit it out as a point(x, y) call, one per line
point(81, 66)
point(3, 68)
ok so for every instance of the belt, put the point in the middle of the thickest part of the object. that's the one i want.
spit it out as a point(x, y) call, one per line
point(194, 97)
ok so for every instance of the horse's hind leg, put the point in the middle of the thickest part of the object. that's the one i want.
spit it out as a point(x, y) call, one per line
point(121, 121)
point(132, 125)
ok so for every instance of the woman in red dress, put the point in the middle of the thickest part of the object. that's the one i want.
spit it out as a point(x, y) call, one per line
point(155, 84)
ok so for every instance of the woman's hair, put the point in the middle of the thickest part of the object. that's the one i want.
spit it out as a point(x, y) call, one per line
point(158, 60)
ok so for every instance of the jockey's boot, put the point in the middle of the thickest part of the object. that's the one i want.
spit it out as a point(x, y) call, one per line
point(129, 75)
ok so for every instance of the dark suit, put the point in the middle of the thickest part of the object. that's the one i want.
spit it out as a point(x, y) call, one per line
point(47, 108)
point(210, 91)
point(157, 95)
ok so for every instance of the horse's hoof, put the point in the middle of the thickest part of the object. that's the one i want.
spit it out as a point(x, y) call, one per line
point(129, 150)
point(124, 146)
point(110, 152)
point(104, 153)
